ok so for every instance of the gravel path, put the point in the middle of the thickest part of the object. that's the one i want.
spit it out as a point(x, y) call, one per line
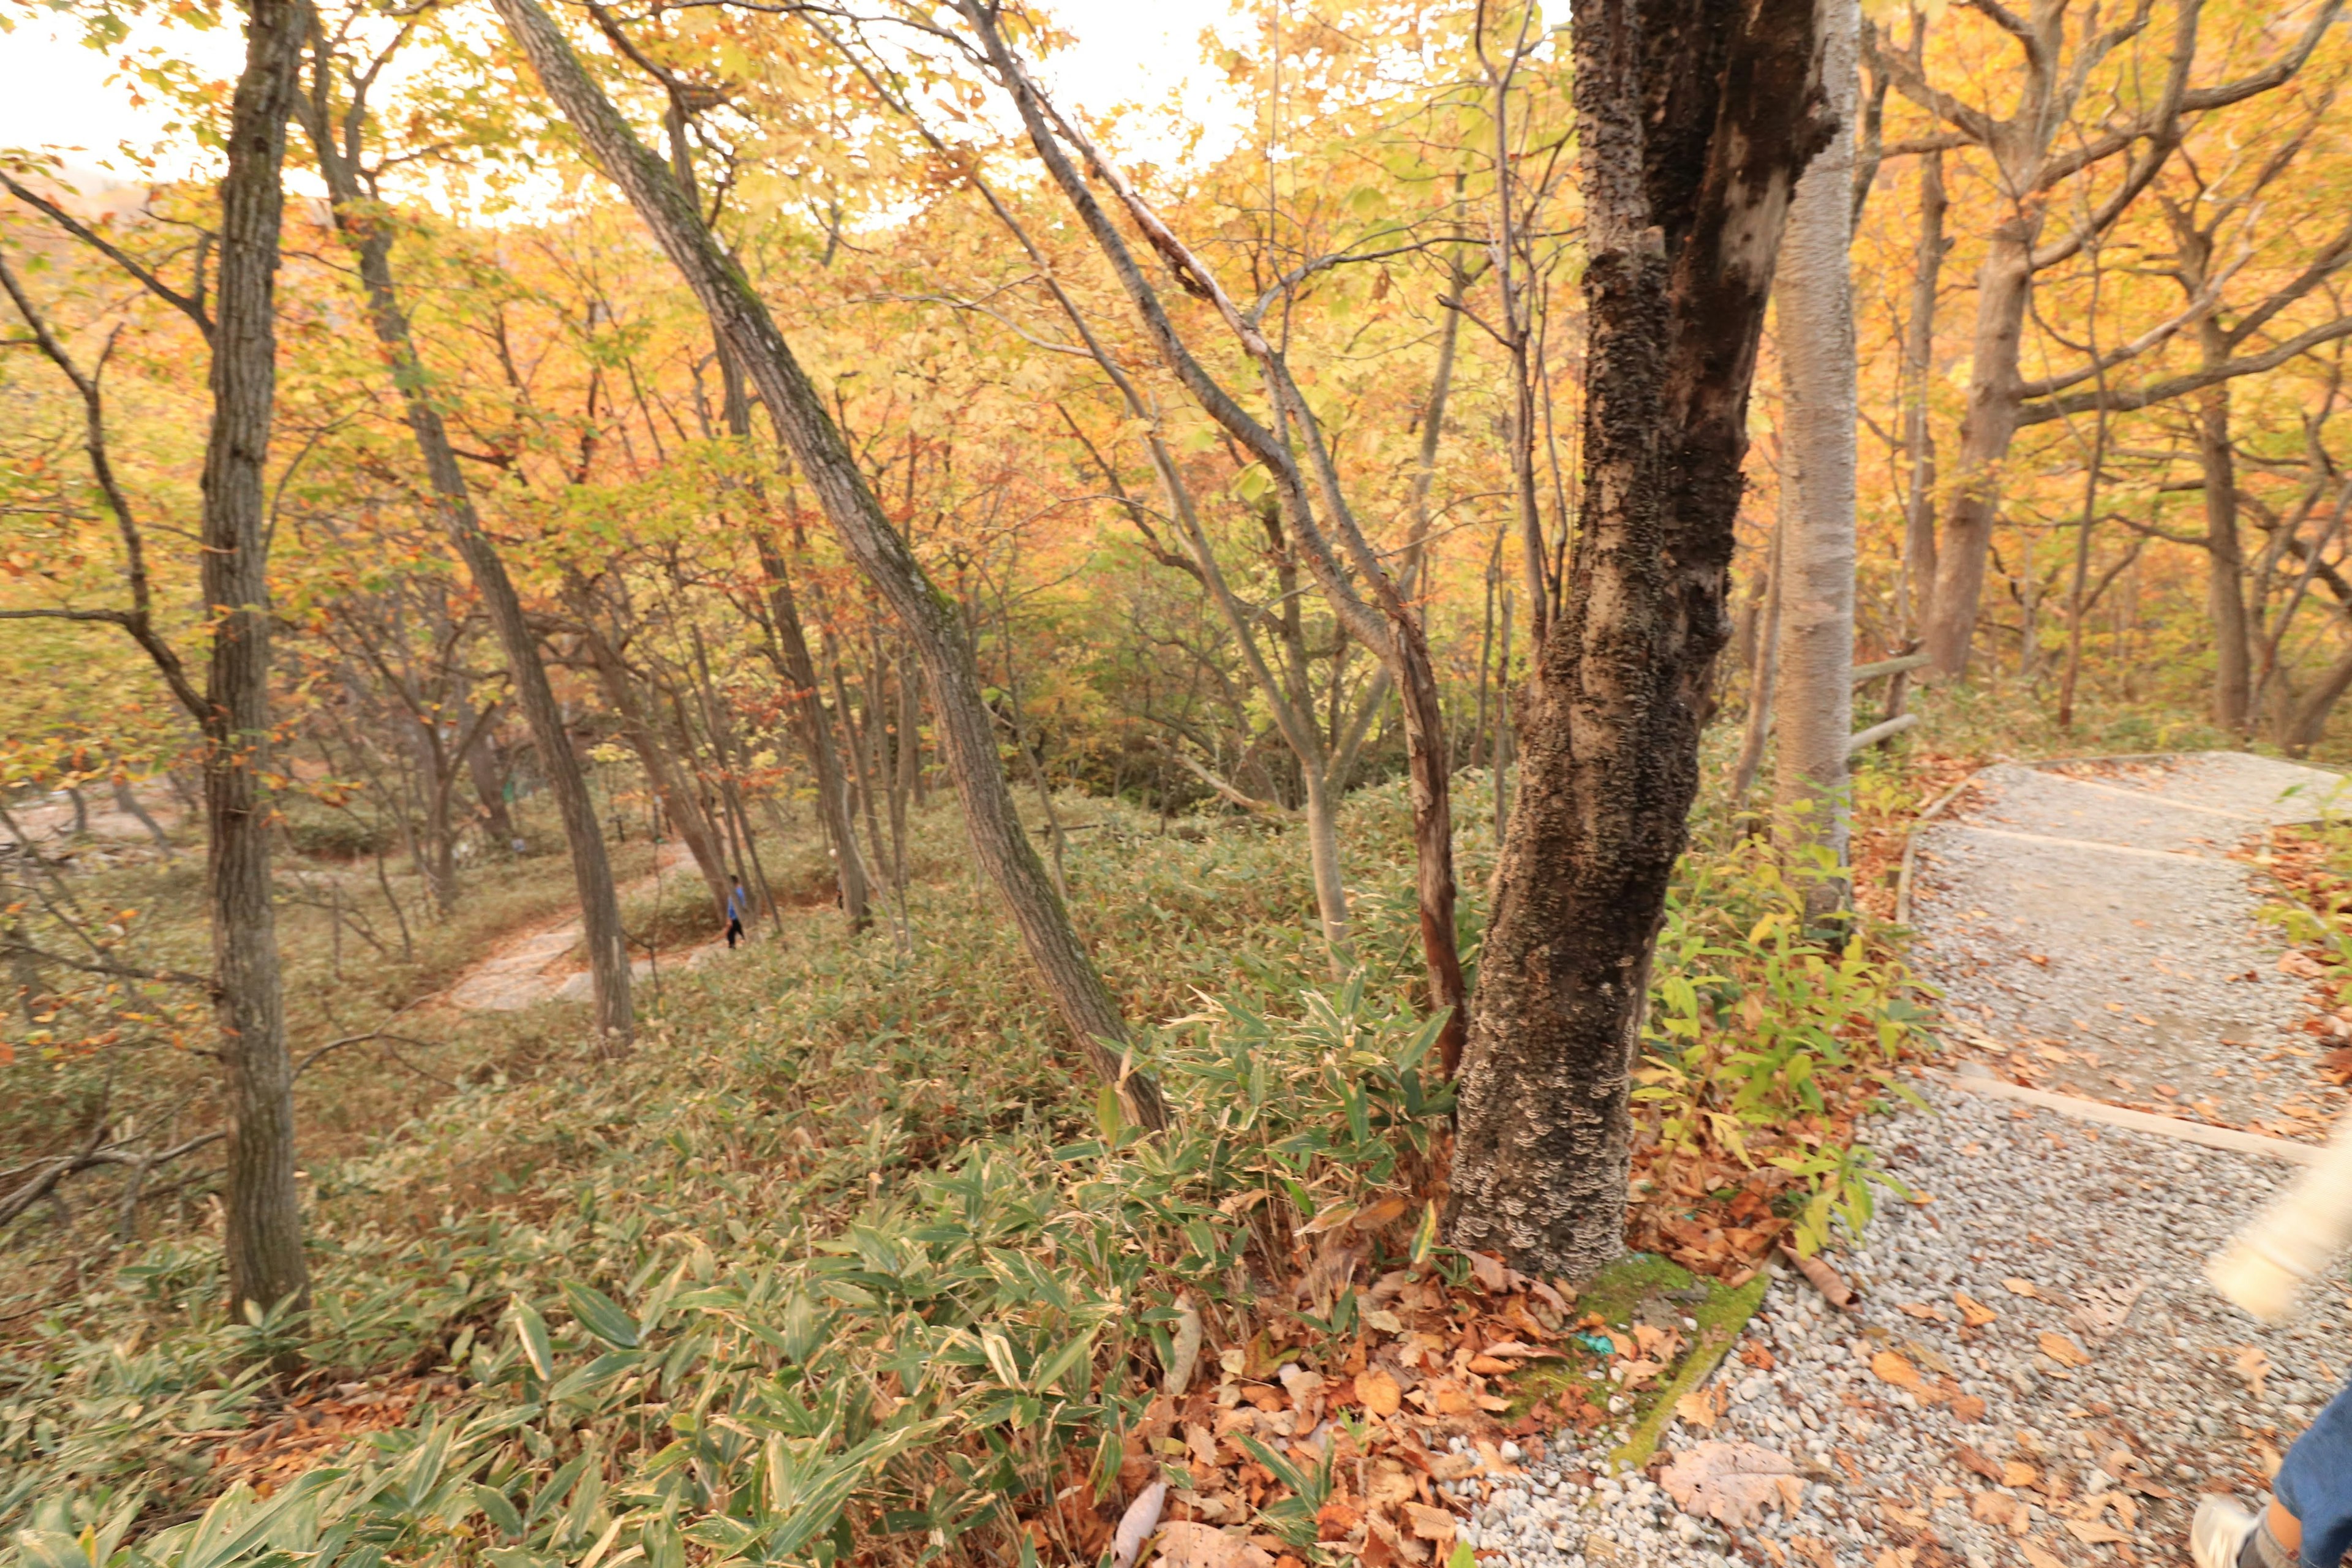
point(1917, 1431)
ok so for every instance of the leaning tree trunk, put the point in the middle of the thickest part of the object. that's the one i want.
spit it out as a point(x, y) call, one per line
point(1814, 308)
point(1695, 120)
point(264, 1230)
point(966, 735)
point(592, 868)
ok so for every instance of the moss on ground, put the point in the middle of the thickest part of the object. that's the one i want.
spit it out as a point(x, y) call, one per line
point(1618, 1294)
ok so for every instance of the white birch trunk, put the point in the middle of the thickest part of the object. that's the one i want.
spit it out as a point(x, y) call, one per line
point(1814, 304)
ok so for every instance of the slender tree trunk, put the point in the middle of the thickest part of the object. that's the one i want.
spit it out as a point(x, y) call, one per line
point(591, 869)
point(2225, 600)
point(126, 801)
point(1694, 122)
point(910, 735)
point(266, 1266)
point(1920, 366)
point(966, 735)
point(815, 731)
point(670, 784)
point(489, 784)
point(2003, 284)
point(1811, 803)
point(1760, 687)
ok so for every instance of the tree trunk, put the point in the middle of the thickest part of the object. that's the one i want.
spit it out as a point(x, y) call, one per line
point(816, 733)
point(965, 734)
point(1762, 684)
point(1919, 366)
point(591, 869)
point(490, 787)
point(264, 1240)
point(1985, 431)
point(671, 785)
point(2306, 721)
point(1811, 803)
point(2225, 599)
point(1694, 121)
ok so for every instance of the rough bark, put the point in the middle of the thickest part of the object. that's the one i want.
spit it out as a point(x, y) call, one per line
point(591, 869)
point(1814, 323)
point(264, 1229)
point(1695, 119)
point(964, 732)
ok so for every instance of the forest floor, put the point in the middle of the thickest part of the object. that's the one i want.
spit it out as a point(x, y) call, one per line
point(2035, 1370)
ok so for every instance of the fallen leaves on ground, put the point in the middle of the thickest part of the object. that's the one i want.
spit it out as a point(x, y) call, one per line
point(2064, 1351)
point(1732, 1483)
point(2025, 1287)
point(1701, 1407)
point(1415, 1379)
point(2255, 1366)
point(1974, 1314)
point(1186, 1545)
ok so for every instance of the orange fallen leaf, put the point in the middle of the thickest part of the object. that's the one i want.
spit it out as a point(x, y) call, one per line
point(2093, 1533)
point(1973, 1313)
point(1893, 1368)
point(1378, 1391)
point(2018, 1473)
point(1922, 1310)
point(2017, 1287)
point(2064, 1351)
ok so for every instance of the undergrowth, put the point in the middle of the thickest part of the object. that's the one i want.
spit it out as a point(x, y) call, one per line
point(846, 1260)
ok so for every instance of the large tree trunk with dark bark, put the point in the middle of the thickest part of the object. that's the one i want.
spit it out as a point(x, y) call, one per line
point(1695, 119)
point(965, 733)
point(264, 1230)
point(592, 868)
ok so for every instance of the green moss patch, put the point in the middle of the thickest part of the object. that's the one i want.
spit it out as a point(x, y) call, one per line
point(1641, 1287)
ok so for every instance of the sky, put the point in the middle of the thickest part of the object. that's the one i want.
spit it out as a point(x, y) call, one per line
point(54, 93)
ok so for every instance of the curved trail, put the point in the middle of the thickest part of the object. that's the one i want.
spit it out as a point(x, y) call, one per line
point(2096, 940)
point(543, 964)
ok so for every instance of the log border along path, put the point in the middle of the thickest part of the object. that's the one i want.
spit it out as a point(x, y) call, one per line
point(2035, 1372)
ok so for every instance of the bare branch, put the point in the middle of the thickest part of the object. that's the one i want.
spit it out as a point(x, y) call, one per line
point(190, 306)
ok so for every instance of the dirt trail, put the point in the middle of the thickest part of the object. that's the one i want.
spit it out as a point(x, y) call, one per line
point(543, 964)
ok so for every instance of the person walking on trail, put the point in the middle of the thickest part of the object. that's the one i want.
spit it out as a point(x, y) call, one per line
point(735, 902)
point(2308, 1523)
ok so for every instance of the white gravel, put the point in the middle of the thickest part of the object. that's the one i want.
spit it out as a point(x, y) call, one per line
point(2110, 1228)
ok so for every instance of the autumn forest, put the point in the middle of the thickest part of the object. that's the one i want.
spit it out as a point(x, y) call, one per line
point(765, 784)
